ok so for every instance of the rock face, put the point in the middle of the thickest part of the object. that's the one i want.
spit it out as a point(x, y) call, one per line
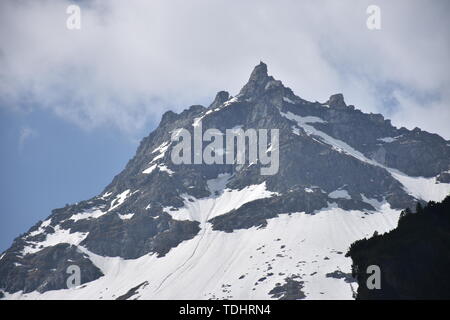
point(46, 270)
point(336, 101)
point(331, 156)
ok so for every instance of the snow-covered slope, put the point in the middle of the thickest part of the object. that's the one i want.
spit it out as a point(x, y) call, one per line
point(245, 264)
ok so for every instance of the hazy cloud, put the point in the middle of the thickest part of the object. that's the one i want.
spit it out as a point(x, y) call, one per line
point(133, 60)
point(25, 134)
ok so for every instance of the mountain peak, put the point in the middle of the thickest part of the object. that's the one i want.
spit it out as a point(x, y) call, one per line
point(337, 101)
point(259, 72)
point(333, 165)
point(220, 98)
point(257, 81)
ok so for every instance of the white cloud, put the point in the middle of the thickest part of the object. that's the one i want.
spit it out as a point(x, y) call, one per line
point(25, 134)
point(133, 60)
point(409, 113)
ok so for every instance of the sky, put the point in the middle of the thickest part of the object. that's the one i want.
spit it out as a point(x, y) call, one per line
point(74, 104)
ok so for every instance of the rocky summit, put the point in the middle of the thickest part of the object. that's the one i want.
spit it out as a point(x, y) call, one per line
point(161, 230)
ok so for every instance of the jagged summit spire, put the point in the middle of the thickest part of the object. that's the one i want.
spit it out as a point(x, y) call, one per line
point(259, 72)
point(221, 97)
point(257, 81)
point(337, 101)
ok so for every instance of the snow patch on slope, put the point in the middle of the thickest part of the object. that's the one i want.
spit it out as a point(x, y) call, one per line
point(150, 169)
point(161, 150)
point(197, 121)
point(164, 168)
point(97, 212)
point(218, 265)
point(161, 167)
point(88, 214)
point(388, 139)
point(230, 101)
point(220, 202)
point(126, 216)
point(120, 198)
point(58, 236)
point(286, 99)
point(339, 194)
point(338, 145)
point(41, 228)
point(428, 189)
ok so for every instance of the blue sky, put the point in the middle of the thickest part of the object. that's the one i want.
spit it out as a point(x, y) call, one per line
point(58, 164)
point(75, 103)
